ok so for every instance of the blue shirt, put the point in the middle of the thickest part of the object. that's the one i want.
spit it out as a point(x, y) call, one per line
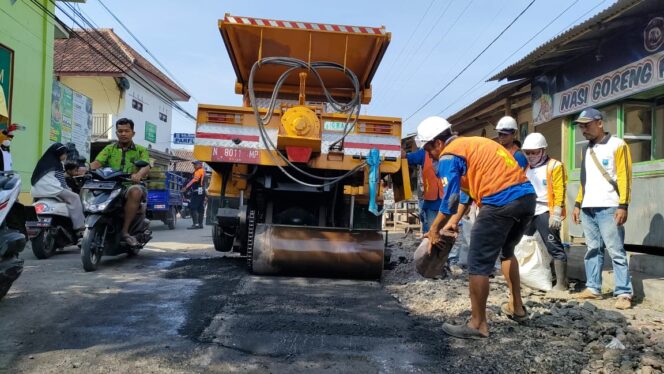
point(521, 159)
point(451, 168)
point(417, 158)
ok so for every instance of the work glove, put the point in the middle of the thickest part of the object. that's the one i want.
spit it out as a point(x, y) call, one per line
point(556, 219)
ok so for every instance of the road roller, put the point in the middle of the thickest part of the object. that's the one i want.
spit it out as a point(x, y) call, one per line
point(299, 173)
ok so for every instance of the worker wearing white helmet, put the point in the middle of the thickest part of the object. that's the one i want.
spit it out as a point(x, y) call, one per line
point(491, 177)
point(549, 179)
point(507, 129)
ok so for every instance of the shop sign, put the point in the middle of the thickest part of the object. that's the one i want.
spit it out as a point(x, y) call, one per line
point(6, 80)
point(150, 132)
point(634, 63)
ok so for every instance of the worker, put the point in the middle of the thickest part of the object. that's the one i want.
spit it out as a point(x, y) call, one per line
point(121, 156)
point(507, 129)
point(548, 177)
point(430, 188)
point(601, 206)
point(197, 202)
point(491, 176)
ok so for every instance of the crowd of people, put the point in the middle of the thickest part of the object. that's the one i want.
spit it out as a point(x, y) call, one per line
point(521, 190)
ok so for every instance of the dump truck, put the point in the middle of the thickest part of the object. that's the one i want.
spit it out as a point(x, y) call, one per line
point(298, 171)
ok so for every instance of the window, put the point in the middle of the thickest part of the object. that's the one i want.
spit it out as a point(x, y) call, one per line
point(610, 115)
point(638, 130)
point(137, 105)
point(163, 117)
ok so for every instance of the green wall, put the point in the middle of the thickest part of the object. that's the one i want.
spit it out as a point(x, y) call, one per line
point(29, 32)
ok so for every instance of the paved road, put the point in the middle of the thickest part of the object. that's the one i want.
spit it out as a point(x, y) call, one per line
point(181, 307)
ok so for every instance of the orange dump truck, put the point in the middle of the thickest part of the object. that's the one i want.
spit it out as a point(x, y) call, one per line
point(298, 172)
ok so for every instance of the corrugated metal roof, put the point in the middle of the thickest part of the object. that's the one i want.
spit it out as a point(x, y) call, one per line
point(527, 66)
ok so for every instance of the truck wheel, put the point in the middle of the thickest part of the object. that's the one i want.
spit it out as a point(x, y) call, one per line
point(172, 218)
point(222, 241)
point(90, 253)
point(43, 245)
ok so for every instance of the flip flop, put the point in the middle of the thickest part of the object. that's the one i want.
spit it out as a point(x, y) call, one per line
point(514, 317)
point(462, 331)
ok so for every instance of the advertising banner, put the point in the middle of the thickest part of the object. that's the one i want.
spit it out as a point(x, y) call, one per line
point(631, 63)
point(6, 79)
point(71, 118)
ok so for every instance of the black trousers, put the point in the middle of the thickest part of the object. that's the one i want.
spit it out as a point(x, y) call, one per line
point(197, 208)
point(551, 238)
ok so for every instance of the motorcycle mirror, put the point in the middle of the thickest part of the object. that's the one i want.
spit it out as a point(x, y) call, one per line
point(141, 163)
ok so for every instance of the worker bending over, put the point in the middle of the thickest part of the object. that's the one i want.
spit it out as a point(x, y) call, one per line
point(493, 179)
point(549, 179)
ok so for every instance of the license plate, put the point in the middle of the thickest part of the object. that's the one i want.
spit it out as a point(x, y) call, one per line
point(43, 222)
point(238, 155)
point(185, 204)
point(160, 206)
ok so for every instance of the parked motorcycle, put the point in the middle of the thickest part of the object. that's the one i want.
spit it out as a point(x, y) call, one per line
point(53, 230)
point(186, 199)
point(12, 229)
point(103, 205)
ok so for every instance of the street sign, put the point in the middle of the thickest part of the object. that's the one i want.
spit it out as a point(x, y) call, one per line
point(183, 138)
point(150, 132)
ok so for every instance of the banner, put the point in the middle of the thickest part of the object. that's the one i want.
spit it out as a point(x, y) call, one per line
point(630, 63)
point(71, 118)
point(183, 138)
point(6, 80)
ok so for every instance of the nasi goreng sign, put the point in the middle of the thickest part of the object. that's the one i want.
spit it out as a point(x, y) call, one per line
point(628, 63)
point(639, 76)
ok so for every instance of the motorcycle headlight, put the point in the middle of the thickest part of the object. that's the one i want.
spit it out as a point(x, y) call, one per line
point(98, 202)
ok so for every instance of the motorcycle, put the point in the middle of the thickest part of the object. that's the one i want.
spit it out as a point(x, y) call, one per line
point(12, 230)
point(53, 229)
point(103, 206)
point(186, 199)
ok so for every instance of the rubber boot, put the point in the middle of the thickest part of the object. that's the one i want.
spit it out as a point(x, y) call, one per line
point(194, 219)
point(561, 275)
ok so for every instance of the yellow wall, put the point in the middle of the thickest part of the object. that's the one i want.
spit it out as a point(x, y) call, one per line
point(103, 91)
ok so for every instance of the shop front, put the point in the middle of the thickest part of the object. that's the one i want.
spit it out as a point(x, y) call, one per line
point(624, 78)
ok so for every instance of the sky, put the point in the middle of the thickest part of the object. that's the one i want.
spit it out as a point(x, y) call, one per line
point(432, 41)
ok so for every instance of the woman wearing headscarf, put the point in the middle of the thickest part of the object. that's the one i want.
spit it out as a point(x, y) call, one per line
point(48, 180)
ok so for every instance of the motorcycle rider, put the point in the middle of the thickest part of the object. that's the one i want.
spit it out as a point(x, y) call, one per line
point(197, 203)
point(48, 180)
point(121, 156)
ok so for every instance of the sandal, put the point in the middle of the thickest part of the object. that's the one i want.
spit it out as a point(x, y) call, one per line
point(462, 331)
point(514, 317)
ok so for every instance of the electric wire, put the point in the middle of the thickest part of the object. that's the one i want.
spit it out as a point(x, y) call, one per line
point(471, 62)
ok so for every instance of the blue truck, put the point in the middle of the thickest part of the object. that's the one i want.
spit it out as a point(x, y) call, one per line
point(165, 199)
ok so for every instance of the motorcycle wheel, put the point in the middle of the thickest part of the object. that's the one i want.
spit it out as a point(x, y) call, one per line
point(4, 288)
point(90, 254)
point(43, 245)
point(172, 218)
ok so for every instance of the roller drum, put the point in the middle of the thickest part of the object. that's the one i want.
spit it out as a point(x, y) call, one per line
point(317, 251)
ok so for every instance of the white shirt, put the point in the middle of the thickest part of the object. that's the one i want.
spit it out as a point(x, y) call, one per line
point(537, 177)
point(7, 158)
point(598, 193)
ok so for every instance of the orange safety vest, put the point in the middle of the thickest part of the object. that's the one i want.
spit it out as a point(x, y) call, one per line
point(431, 184)
point(550, 195)
point(513, 149)
point(490, 167)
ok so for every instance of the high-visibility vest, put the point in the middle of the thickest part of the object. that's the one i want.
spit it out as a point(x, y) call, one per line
point(490, 168)
point(432, 186)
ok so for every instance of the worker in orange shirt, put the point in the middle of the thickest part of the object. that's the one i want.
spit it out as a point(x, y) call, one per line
point(197, 203)
point(492, 178)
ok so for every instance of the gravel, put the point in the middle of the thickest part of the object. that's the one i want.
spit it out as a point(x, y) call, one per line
point(563, 335)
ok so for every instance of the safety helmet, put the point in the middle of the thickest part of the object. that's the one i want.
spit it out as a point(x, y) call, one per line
point(534, 141)
point(429, 128)
point(507, 123)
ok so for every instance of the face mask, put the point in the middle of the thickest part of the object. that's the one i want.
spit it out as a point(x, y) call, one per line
point(6, 142)
point(534, 160)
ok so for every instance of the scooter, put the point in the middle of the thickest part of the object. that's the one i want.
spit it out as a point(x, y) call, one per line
point(12, 228)
point(53, 229)
point(103, 206)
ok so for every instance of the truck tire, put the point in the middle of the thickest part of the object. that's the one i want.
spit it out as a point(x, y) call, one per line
point(43, 245)
point(90, 254)
point(172, 218)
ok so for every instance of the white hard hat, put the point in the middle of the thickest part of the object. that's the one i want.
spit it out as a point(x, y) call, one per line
point(429, 128)
point(507, 123)
point(534, 141)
